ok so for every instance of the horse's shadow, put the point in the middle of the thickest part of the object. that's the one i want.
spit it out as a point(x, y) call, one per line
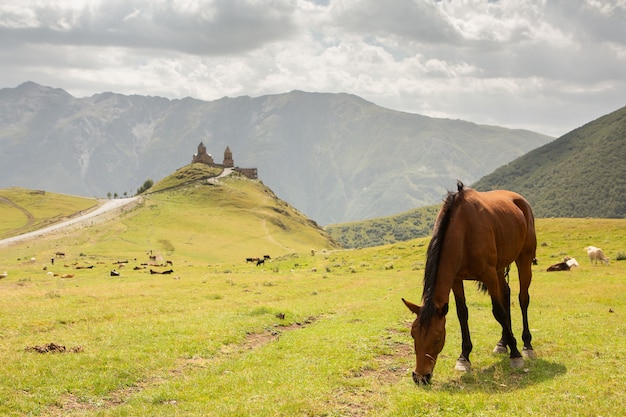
point(499, 377)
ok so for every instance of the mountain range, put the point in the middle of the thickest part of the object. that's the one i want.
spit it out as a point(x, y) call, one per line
point(335, 157)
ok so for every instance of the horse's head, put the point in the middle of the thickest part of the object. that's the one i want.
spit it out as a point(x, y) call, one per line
point(429, 339)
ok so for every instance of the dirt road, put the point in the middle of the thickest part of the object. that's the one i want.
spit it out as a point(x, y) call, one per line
point(106, 208)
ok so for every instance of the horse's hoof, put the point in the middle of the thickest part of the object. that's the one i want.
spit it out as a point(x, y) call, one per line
point(463, 365)
point(517, 363)
point(500, 349)
point(528, 353)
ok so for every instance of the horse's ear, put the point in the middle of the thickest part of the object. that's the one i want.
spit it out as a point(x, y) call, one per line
point(444, 310)
point(414, 308)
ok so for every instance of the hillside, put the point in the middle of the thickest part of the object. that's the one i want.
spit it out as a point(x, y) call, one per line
point(336, 157)
point(400, 227)
point(581, 174)
point(193, 219)
point(23, 210)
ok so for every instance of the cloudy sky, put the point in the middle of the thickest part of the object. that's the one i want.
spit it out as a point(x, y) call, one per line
point(544, 65)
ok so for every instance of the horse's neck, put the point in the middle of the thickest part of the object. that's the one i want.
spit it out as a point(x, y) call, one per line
point(443, 286)
point(449, 262)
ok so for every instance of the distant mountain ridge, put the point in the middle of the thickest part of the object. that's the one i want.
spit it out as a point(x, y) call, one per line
point(335, 157)
point(581, 174)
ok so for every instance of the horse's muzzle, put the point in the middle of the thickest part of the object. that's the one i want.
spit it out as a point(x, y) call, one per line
point(421, 379)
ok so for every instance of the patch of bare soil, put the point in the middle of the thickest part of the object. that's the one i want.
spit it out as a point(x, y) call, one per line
point(53, 348)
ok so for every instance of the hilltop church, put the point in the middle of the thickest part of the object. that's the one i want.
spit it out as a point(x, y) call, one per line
point(204, 158)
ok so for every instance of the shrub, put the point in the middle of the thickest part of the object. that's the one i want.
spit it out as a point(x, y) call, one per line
point(146, 185)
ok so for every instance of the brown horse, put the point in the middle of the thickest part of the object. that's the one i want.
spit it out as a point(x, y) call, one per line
point(477, 235)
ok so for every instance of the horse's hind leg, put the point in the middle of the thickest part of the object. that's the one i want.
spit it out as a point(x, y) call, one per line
point(525, 277)
point(501, 311)
point(463, 362)
point(501, 345)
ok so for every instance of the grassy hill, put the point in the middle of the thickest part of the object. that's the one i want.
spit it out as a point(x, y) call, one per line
point(581, 174)
point(23, 210)
point(189, 218)
point(186, 175)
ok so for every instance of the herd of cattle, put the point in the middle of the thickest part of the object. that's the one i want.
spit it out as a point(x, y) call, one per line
point(594, 253)
point(153, 259)
point(114, 272)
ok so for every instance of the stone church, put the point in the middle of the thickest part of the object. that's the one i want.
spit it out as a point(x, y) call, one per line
point(204, 158)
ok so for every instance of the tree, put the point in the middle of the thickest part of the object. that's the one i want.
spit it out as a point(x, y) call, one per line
point(146, 186)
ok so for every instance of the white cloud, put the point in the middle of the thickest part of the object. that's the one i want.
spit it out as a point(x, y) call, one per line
point(547, 65)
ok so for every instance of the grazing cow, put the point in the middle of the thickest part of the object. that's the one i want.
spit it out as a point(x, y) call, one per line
point(596, 254)
point(60, 254)
point(260, 262)
point(170, 263)
point(114, 273)
point(266, 257)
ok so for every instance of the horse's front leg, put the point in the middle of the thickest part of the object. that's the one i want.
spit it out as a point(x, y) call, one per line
point(463, 363)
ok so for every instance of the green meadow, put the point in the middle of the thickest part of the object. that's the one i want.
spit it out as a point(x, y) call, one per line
point(314, 331)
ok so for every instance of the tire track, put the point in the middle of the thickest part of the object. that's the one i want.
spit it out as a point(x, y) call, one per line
point(29, 216)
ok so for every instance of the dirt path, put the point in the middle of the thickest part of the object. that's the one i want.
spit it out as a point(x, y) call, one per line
point(109, 207)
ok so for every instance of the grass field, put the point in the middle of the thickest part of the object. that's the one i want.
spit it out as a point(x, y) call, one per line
point(302, 335)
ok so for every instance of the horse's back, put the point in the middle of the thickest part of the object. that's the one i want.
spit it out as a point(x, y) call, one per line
point(502, 220)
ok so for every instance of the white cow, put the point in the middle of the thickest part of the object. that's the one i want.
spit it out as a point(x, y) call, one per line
point(596, 254)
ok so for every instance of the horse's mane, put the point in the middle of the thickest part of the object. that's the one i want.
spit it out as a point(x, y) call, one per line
point(433, 254)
